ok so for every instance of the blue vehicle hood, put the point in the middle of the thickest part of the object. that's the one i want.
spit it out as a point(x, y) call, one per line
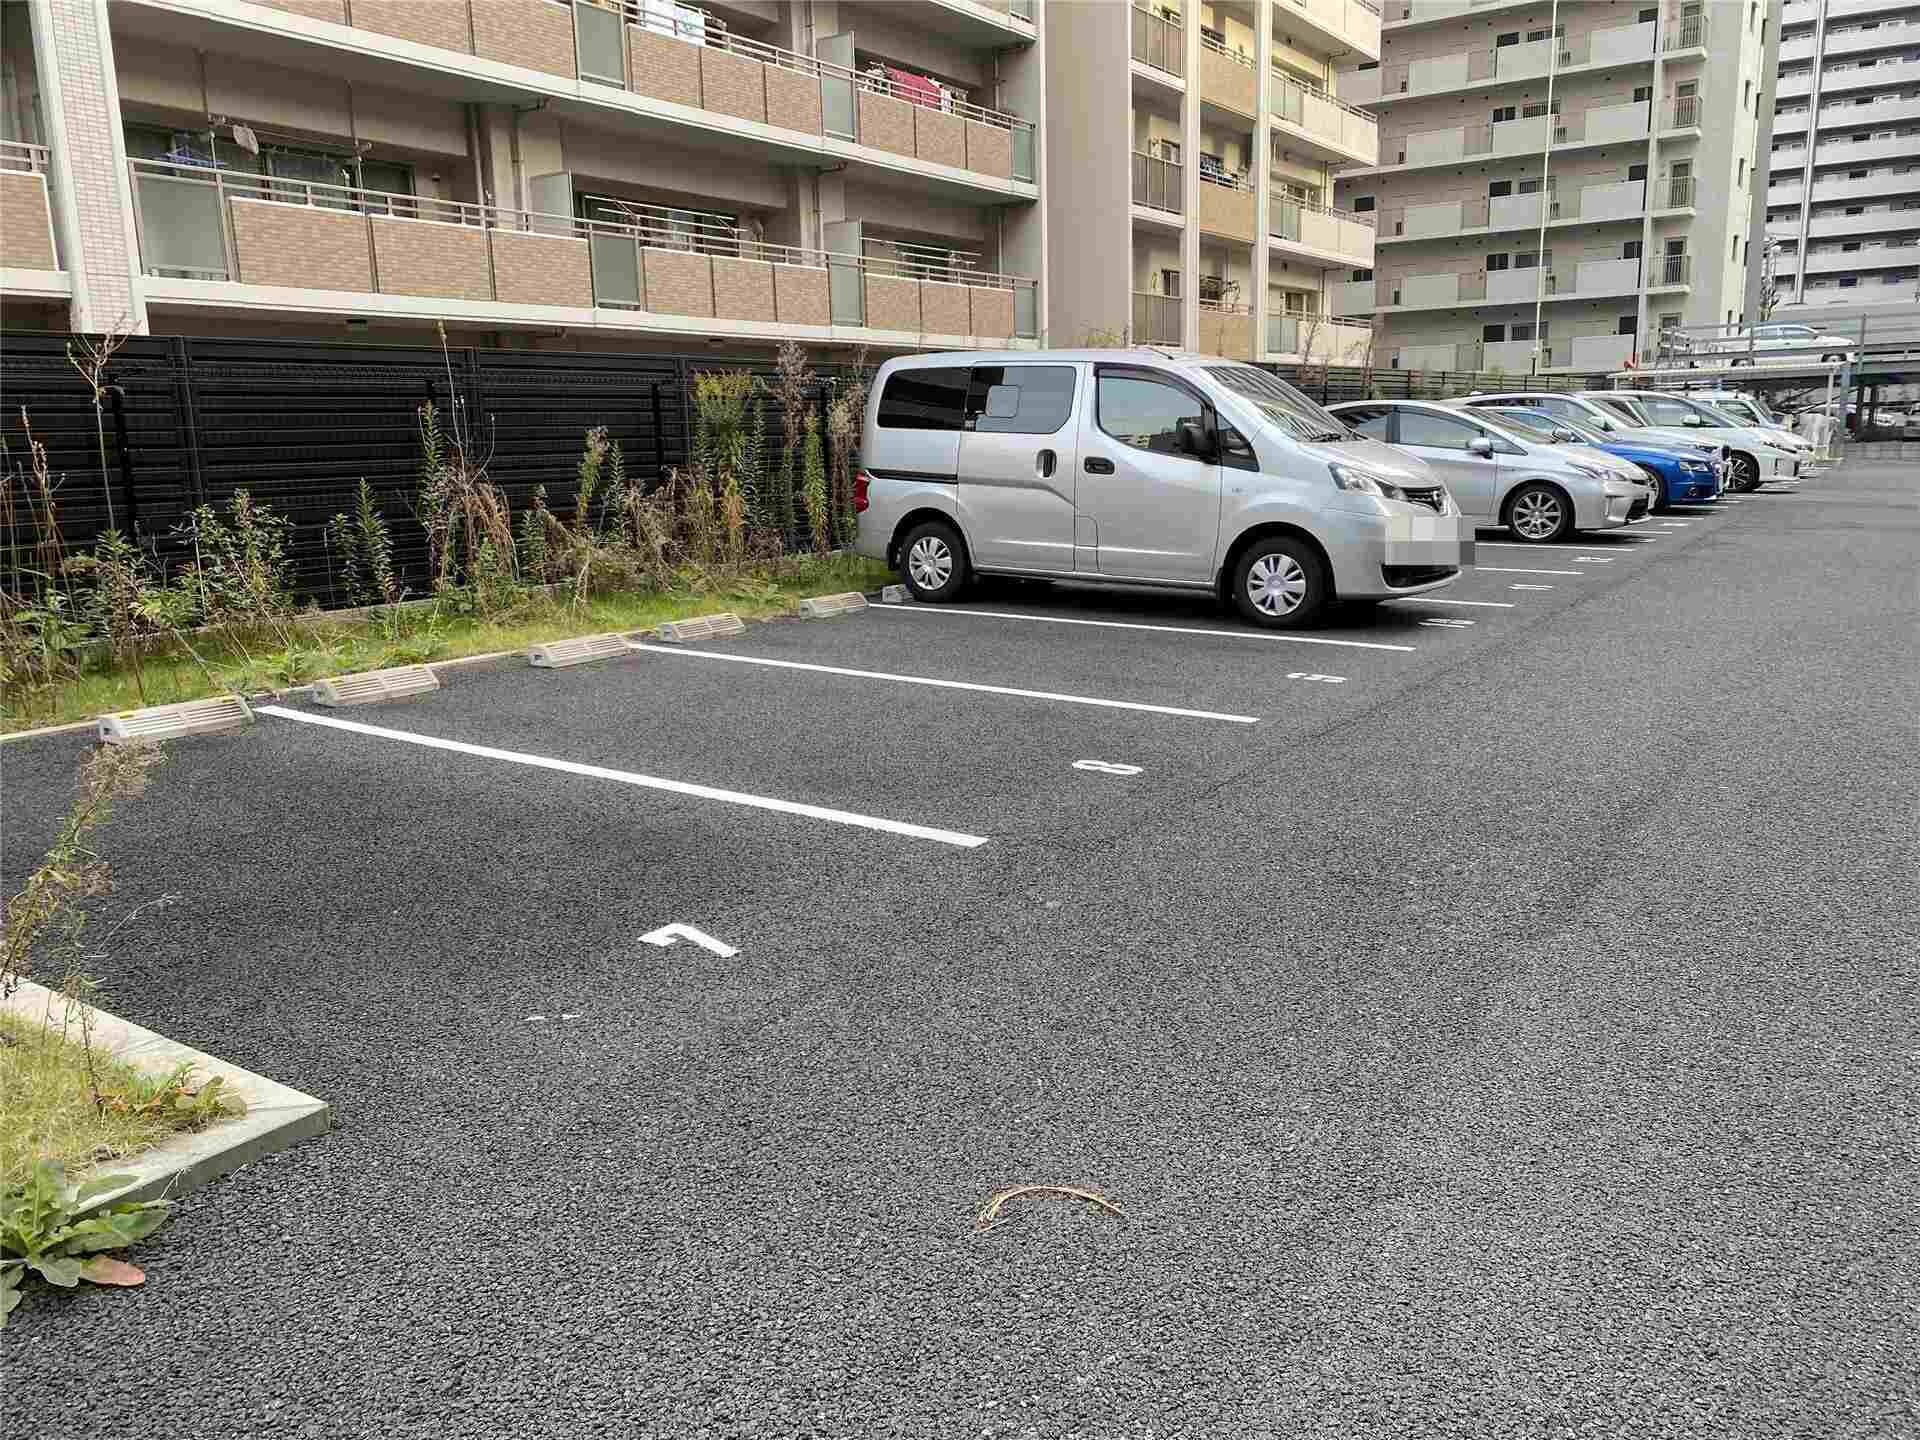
point(1650, 454)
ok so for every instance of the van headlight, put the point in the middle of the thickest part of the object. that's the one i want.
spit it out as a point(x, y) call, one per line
point(1364, 482)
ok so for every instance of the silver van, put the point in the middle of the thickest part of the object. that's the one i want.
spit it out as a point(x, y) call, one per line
point(1142, 467)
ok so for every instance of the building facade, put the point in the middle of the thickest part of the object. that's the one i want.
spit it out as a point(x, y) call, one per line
point(569, 173)
point(1557, 182)
point(1214, 160)
point(1843, 192)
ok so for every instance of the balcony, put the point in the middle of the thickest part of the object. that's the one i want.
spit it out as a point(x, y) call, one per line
point(1867, 257)
point(26, 237)
point(1226, 330)
point(1681, 113)
point(1463, 69)
point(300, 246)
point(1227, 208)
point(1158, 43)
point(1591, 279)
point(1883, 221)
point(1688, 32)
point(1802, 12)
point(1890, 35)
point(1319, 338)
point(1156, 319)
point(1408, 14)
point(1620, 200)
point(1601, 125)
point(1603, 353)
point(1352, 297)
point(1675, 192)
point(1670, 272)
point(1878, 184)
point(1228, 78)
point(1890, 72)
point(1835, 151)
point(1313, 121)
point(1159, 184)
point(1855, 116)
point(1339, 25)
point(676, 56)
point(1331, 236)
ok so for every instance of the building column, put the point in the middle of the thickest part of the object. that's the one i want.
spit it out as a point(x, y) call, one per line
point(1262, 177)
point(92, 200)
point(1190, 177)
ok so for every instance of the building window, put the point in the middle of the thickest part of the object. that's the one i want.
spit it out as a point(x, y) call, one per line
point(1629, 325)
point(1512, 37)
point(1636, 172)
point(1504, 113)
point(1498, 188)
point(1497, 260)
point(1669, 322)
point(1642, 93)
point(1647, 17)
point(1361, 276)
point(1363, 204)
point(1740, 175)
point(1493, 333)
point(1746, 96)
point(1630, 250)
point(1847, 282)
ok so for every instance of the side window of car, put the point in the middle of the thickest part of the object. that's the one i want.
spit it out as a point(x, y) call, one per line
point(1144, 413)
point(1020, 399)
point(1436, 432)
point(930, 398)
point(1373, 421)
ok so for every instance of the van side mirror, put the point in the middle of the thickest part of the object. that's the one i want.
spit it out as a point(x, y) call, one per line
point(1693, 421)
point(1480, 445)
point(1195, 440)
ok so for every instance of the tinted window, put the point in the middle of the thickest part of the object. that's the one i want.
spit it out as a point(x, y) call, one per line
point(929, 399)
point(1371, 420)
point(1441, 432)
point(1021, 399)
point(1666, 412)
point(1145, 413)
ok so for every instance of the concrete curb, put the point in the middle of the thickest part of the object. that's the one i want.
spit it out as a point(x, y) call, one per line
point(277, 1117)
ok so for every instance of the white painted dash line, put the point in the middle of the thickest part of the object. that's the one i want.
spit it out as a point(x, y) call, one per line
point(1529, 587)
point(1483, 604)
point(1536, 549)
point(629, 777)
point(950, 684)
point(1248, 634)
point(1520, 570)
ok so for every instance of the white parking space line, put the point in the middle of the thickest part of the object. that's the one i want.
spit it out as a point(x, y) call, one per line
point(951, 684)
point(1519, 570)
point(1482, 604)
point(1134, 625)
point(1529, 587)
point(629, 777)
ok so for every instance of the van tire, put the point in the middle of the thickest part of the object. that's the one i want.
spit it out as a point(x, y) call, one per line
point(1284, 569)
point(933, 562)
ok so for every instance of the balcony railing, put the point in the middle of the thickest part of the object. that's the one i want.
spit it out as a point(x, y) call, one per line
point(676, 54)
point(1671, 270)
point(206, 224)
point(1158, 42)
point(1319, 227)
point(1158, 183)
point(1320, 337)
point(1319, 114)
point(26, 233)
point(1689, 34)
point(1683, 112)
point(1524, 135)
point(1621, 44)
point(1675, 192)
point(1156, 319)
point(17, 155)
point(1228, 77)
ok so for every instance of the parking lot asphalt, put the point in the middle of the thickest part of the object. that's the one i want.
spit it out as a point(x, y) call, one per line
point(1509, 1036)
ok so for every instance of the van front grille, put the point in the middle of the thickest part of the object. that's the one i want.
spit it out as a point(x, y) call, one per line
point(1434, 499)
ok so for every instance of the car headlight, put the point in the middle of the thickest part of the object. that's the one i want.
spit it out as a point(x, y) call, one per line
point(1695, 467)
point(1592, 472)
point(1365, 482)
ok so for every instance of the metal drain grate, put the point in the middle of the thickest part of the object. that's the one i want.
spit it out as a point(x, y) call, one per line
point(895, 594)
point(170, 722)
point(370, 687)
point(702, 627)
point(556, 654)
point(821, 607)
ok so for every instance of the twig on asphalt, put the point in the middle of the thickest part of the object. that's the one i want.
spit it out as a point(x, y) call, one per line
point(989, 1215)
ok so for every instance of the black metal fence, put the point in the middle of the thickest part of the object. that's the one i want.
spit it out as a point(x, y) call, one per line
point(298, 424)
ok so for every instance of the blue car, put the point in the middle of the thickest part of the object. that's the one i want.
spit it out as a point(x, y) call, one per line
point(1677, 475)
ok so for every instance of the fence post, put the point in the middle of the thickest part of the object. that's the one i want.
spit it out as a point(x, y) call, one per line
point(118, 395)
point(185, 416)
point(659, 439)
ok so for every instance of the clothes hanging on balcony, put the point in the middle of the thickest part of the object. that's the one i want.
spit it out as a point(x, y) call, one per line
point(917, 88)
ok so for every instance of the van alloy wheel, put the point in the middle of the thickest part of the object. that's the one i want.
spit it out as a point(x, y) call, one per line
point(1536, 515)
point(930, 562)
point(1276, 584)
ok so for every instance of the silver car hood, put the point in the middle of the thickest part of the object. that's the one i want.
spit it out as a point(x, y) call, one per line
point(1374, 455)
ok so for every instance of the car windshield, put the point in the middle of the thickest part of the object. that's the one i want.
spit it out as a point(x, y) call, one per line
point(1529, 425)
point(1585, 433)
point(1280, 403)
point(1715, 416)
point(1623, 407)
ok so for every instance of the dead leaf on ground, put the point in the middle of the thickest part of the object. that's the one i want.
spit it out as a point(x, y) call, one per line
point(989, 1215)
point(104, 1270)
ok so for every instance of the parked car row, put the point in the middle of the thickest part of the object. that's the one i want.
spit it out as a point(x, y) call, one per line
point(1163, 468)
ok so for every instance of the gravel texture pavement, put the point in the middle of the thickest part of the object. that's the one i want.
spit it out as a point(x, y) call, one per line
point(1515, 1039)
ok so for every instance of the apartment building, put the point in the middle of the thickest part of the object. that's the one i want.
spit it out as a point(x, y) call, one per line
point(1191, 154)
point(1556, 182)
point(566, 173)
point(1843, 189)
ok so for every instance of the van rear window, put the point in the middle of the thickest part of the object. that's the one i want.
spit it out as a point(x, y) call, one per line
point(934, 398)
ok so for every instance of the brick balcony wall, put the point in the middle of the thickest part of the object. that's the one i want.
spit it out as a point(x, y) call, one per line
point(425, 257)
point(992, 313)
point(334, 10)
point(1229, 83)
point(893, 303)
point(731, 85)
point(939, 138)
point(944, 309)
point(664, 68)
point(26, 223)
point(990, 150)
point(801, 295)
point(301, 246)
point(541, 269)
point(425, 22)
point(1226, 212)
point(535, 33)
point(678, 283)
point(742, 289)
point(886, 123)
point(793, 100)
point(1223, 333)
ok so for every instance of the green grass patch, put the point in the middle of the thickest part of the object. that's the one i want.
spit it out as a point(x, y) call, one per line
point(323, 645)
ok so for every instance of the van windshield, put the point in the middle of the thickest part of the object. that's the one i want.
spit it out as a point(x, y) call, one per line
point(1280, 403)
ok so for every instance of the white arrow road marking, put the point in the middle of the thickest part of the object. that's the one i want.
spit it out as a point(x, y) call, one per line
point(1106, 767)
point(1308, 675)
point(674, 934)
point(1522, 570)
point(1446, 624)
point(1529, 587)
point(1483, 604)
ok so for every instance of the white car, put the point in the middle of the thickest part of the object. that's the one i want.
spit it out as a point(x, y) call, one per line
point(1780, 342)
point(1589, 411)
point(1748, 409)
point(1540, 490)
point(1756, 454)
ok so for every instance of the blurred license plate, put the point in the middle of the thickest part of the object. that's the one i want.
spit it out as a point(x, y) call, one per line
point(1429, 540)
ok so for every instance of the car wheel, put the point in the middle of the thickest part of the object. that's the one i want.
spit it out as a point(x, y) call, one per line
point(933, 562)
point(1539, 514)
point(1659, 501)
point(1746, 473)
point(1280, 582)
point(1833, 359)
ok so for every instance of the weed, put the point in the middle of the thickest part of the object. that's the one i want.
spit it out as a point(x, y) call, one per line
point(41, 1230)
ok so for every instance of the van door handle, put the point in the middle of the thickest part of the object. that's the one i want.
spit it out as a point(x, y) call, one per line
point(1096, 465)
point(1045, 460)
